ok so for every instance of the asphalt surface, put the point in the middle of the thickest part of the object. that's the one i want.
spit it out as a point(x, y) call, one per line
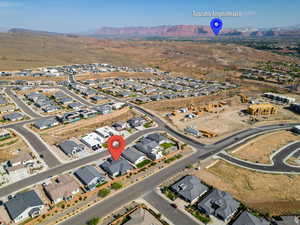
point(278, 164)
point(176, 216)
point(38, 146)
point(21, 104)
point(62, 168)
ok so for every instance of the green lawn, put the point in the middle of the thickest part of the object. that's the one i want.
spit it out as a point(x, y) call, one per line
point(116, 186)
point(144, 163)
point(103, 192)
point(148, 124)
point(167, 145)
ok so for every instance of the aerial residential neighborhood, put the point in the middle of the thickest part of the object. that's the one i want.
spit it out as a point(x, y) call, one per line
point(149, 112)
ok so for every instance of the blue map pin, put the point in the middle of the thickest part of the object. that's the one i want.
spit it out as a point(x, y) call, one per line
point(216, 25)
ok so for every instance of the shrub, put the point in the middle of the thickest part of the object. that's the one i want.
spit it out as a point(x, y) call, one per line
point(103, 193)
point(116, 185)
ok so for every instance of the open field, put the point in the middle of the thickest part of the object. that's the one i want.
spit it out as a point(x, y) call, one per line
point(28, 50)
point(268, 193)
point(261, 148)
point(63, 132)
point(9, 147)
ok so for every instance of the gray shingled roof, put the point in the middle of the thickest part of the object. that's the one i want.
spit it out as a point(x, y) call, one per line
point(120, 166)
point(87, 174)
point(157, 137)
point(219, 203)
point(21, 202)
point(247, 218)
point(190, 188)
point(45, 122)
point(68, 146)
point(131, 154)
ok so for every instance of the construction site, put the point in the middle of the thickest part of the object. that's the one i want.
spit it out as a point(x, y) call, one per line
point(215, 120)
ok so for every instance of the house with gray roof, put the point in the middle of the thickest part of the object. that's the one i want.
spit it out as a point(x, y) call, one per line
point(70, 148)
point(65, 100)
point(116, 167)
point(219, 204)
point(46, 123)
point(189, 188)
point(247, 218)
point(158, 138)
point(150, 148)
point(13, 116)
point(75, 105)
point(90, 177)
point(24, 205)
point(133, 155)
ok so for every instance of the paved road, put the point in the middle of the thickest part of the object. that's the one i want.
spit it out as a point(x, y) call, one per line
point(278, 164)
point(22, 184)
point(176, 216)
point(38, 146)
point(21, 104)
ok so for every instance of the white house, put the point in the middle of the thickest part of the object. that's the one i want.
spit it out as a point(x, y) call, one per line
point(93, 140)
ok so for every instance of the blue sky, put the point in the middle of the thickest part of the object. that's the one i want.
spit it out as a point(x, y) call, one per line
point(80, 15)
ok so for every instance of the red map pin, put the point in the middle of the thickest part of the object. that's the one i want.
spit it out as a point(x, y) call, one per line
point(116, 145)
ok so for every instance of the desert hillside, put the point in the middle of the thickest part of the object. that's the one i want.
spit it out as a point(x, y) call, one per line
point(25, 50)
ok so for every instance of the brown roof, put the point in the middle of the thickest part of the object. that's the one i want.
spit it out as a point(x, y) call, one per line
point(63, 187)
point(21, 158)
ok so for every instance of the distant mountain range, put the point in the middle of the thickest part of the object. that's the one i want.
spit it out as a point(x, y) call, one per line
point(191, 31)
point(175, 31)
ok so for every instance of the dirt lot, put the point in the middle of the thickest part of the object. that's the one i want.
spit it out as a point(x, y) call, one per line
point(261, 148)
point(62, 132)
point(9, 147)
point(267, 193)
point(113, 75)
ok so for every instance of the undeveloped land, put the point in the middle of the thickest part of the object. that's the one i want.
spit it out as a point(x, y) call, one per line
point(11, 147)
point(63, 132)
point(268, 193)
point(260, 149)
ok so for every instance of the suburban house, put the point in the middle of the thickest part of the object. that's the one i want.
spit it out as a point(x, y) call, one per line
point(219, 204)
point(97, 98)
point(247, 218)
point(106, 132)
point(90, 177)
point(158, 138)
point(68, 117)
point(189, 188)
point(75, 105)
point(103, 109)
point(46, 123)
point(150, 148)
point(65, 100)
point(22, 159)
point(70, 148)
point(24, 205)
point(87, 113)
point(133, 155)
point(63, 188)
point(136, 122)
point(19, 171)
point(120, 126)
point(50, 108)
point(13, 116)
point(92, 140)
point(7, 108)
point(116, 167)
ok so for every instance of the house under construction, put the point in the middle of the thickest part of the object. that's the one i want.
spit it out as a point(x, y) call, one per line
point(262, 109)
